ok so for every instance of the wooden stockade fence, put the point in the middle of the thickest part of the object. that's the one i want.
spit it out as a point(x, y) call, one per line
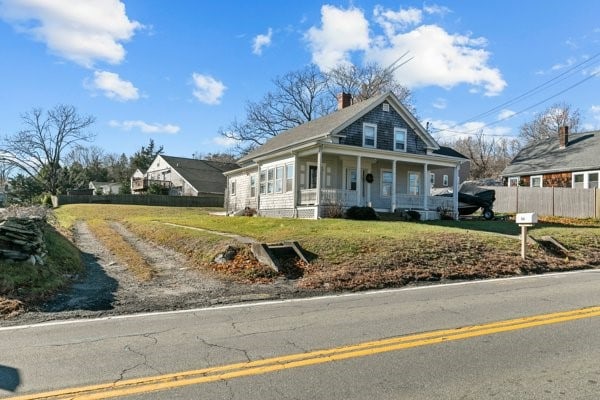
point(208, 200)
point(559, 202)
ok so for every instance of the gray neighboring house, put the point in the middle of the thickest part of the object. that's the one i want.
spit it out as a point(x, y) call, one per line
point(371, 153)
point(183, 176)
point(567, 160)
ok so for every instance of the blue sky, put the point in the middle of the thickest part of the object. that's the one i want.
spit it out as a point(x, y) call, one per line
point(177, 71)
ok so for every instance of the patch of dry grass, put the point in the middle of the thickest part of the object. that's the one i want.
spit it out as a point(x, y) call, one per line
point(122, 250)
point(354, 255)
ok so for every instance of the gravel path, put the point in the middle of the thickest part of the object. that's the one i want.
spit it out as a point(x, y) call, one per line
point(108, 288)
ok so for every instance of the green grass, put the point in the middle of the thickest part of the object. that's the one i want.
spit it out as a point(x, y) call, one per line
point(361, 254)
point(22, 280)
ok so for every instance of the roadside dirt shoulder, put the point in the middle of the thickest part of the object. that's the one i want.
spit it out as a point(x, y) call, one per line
point(108, 288)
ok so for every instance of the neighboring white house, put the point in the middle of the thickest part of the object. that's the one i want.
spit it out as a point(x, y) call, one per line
point(371, 153)
point(105, 187)
point(183, 176)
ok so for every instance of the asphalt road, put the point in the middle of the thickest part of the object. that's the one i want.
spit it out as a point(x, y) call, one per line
point(524, 338)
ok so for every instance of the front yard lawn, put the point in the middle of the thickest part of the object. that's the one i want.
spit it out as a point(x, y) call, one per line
point(357, 255)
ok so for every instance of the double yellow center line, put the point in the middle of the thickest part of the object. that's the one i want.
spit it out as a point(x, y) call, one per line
point(206, 375)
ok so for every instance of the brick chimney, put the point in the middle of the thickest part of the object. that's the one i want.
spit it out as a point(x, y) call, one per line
point(344, 100)
point(563, 136)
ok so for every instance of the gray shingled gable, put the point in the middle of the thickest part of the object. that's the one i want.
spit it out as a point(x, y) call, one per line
point(546, 156)
point(328, 124)
point(205, 176)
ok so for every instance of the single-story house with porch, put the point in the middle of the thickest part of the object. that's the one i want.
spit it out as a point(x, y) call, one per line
point(370, 153)
point(571, 161)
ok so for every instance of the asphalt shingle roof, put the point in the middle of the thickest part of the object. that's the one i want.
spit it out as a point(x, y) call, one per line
point(206, 176)
point(581, 153)
point(313, 129)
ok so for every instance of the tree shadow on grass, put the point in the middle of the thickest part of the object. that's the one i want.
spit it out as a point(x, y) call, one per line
point(94, 291)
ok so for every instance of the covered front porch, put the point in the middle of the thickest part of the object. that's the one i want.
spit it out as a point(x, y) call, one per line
point(330, 176)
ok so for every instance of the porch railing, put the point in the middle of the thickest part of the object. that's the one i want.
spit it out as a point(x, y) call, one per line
point(348, 198)
point(342, 197)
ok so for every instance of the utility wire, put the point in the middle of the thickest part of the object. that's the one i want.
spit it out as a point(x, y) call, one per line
point(530, 92)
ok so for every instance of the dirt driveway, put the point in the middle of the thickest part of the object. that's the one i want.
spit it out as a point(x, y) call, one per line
point(108, 288)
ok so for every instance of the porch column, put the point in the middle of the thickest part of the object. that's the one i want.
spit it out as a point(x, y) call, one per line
point(455, 192)
point(295, 186)
point(227, 195)
point(358, 181)
point(319, 168)
point(425, 187)
point(258, 189)
point(393, 185)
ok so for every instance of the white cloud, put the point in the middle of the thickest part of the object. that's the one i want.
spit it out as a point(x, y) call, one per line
point(439, 58)
point(595, 112)
point(436, 9)
point(207, 89)
point(569, 62)
point(223, 141)
point(113, 86)
point(392, 21)
point(80, 31)
point(341, 32)
point(504, 114)
point(261, 41)
point(440, 103)
point(145, 127)
point(448, 131)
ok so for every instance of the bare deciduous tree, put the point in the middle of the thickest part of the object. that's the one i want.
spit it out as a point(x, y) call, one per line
point(38, 148)
point(364, 82)
point(546, 124)
point(298, 97)
point(488, 155)
point(305, 95)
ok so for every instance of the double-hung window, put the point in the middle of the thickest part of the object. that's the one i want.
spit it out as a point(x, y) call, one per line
point(252, 185)
point(386, 183)
point(289, 177)
point(263, 181)
point(536, 181)
point(369, 135)
point(399, 139)
point(270, 180)
point(279, 179)
point(513, 181)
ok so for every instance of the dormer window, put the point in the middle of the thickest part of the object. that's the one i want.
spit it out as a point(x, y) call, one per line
point(369, 135)
point(399, 139)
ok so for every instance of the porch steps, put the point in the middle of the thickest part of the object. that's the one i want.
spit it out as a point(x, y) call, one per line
point(278, 255)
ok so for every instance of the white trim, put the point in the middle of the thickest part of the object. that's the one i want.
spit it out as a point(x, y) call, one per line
point(536, 176)
point(512, 179)
point(382, 172)
point(419, 176)
point(586, 178)
point(369, 125)
point(405, 131)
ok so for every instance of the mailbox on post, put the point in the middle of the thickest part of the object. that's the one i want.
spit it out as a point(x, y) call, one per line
point(525, 220)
